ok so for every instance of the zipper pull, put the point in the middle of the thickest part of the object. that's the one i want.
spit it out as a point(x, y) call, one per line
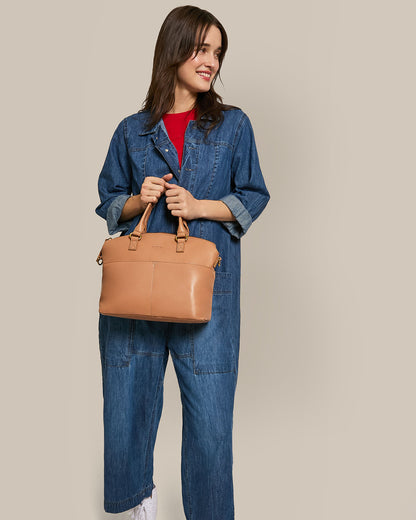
point(218, 262)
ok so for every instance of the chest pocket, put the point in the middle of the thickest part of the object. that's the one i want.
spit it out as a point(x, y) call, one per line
point(209, 170)
point(214, 344)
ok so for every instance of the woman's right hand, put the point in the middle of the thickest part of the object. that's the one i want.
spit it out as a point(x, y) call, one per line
point(153, 188)
point(151, 191)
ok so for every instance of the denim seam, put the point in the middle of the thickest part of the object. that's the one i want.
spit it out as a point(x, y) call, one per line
point(194, 170)
point(188, 487)
point(150, 354)
point(158, 387)
point(145, 161)
point(240, 124)
point(214, 172)
point(213, 143)
point(132, 330)
point(125, 131)
point(212, 371)
point(116, 365)
point(117, 502)
point(193, 350)
point(180, 356)
point(139, 148)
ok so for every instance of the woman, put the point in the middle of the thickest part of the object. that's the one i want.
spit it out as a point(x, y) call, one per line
point(197, 158)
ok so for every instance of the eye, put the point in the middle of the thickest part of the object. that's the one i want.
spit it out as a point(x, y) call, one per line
point(216, 55)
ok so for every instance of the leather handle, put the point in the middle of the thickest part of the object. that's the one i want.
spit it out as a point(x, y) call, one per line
point(142, 225)
point(182, 232)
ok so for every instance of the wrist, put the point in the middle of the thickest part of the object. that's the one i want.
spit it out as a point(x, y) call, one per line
point(215, 210)
point(132, 207)
point(201, 209)
point(141, 206)
point(136, 204)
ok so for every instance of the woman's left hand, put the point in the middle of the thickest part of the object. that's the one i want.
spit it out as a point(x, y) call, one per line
point(181, 202)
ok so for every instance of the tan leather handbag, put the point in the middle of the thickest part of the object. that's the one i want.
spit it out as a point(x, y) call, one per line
point(158, 276)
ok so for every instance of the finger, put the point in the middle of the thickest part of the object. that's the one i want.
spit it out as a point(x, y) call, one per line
point(170, 186)
point(156, 189)
point(173, 192)
point(174, 200)
point(154, 180)
point(168, 176)
point(153, 190)
point(149, 198)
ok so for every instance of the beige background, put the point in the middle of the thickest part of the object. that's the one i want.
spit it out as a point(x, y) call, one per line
point(325, 422)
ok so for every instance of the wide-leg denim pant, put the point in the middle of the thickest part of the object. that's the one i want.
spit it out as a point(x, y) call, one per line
point(134, 355)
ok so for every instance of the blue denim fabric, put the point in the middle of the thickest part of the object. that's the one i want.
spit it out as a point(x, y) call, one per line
point(134, 353)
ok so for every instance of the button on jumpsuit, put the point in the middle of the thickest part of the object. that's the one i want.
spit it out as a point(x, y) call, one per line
point(134, 353)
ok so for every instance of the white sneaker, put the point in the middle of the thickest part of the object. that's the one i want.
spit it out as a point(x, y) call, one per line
point(146, 510)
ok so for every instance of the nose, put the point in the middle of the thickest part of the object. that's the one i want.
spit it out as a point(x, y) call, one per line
point(210, 60)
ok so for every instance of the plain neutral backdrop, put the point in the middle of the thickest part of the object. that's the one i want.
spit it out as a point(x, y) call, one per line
point(325, 422)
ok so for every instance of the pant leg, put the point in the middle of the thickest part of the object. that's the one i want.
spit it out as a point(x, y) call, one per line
point(133, 358)
point(207, 411)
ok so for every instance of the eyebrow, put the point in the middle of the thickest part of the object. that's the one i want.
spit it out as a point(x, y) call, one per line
point(209, 45)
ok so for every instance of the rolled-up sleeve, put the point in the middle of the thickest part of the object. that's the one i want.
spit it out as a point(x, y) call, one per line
point(249, 195)
point(114, 182)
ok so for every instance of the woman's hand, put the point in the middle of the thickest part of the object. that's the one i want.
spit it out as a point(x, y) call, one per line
point(181, 202)
point(153, 188)
point(151, 191)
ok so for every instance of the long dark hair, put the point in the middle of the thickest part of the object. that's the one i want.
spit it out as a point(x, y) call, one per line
point(184, 28)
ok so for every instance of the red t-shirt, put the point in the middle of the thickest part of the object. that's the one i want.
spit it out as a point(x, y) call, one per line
point(176, 126)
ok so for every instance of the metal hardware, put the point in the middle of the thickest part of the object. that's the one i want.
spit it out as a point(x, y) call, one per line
point(139, 237)
point(185, 237)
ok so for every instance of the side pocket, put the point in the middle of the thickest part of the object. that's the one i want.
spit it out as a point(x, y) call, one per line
point(213, 343)
point(115, 336)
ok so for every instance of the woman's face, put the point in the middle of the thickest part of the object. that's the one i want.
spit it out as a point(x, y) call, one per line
point(197, 72)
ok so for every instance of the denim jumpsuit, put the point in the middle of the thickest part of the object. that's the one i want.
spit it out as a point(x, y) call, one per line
point(134, 353)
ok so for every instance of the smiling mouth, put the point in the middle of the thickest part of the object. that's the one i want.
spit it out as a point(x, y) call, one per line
point(205, 75)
